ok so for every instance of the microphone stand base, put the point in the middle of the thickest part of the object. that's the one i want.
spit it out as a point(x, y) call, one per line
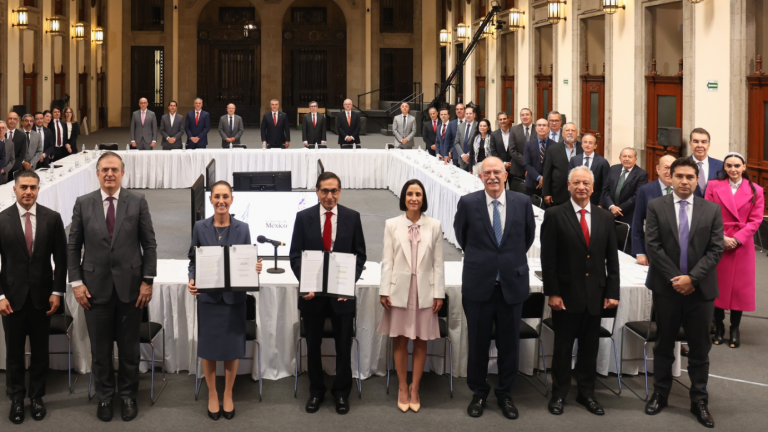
point(275, 270)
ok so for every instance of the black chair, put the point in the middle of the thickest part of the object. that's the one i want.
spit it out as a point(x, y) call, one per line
point(61, 325)
point(349, 146)
point(516, 185)
point(533, 308)
point(110, 147)
point(537, 201)
point(250, 335)
point(147, 335)
point(645, 330)
point(327, 334)
point(442, 321)
point(622, 234)
point(239, 146)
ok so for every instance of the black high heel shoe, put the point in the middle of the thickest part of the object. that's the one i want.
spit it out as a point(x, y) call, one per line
point(735, 338)
point(719, 333)
point(229, 415)
point(215, 416)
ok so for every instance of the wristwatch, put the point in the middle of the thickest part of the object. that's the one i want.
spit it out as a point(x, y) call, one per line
point(694, 281)
point(148, 281)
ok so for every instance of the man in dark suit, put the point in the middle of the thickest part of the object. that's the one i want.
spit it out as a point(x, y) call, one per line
point(348, 125)
point(171, 128)
point(646, 193)
point(197, 125)
point(275, 128)
point(556, 162)
point(113, 283)
point(19, 142)
point(620, 191)
point(143, 127)
point(7, 157)
point(523, 131)
point(580, 265)
point(684, 236)
point(30, 235)
point(230, 127)
point(464, 134)
point(313, 127)
point(555, 127)
point(708, 167)
point(596, 163)
point(333, 228)
point(509, 152)
point(60, 129)
point(429, 131)
point(47, 137)
point(534, 156)
point(450, 135)
point(495, 228)
point(443, 138)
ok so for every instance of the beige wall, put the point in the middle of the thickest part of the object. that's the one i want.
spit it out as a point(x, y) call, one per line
point(761, 29)
point(668, 37)
point(625, 61)
point(562, 99)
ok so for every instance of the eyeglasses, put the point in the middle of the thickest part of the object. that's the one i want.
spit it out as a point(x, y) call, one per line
point(330, 191)
point(496, 173)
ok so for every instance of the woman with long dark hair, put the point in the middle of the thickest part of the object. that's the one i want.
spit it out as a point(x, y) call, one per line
point(483, 146)
point(742, 204)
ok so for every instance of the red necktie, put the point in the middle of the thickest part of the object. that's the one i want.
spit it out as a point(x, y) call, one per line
point(327, 231)
point(28, 232)
point(58, 135)
point(314, 122)
point(442, 134)
point(275, 116)
point(434, 125)
point(584, 227)
point(197, 117)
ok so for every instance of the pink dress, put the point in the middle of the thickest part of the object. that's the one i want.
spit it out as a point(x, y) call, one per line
point(410, 321)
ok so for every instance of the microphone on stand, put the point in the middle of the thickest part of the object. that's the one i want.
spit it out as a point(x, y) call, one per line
point(276, 244)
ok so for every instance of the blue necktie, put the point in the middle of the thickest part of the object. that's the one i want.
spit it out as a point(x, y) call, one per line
point(684, 231)
point(230, 124)
point(497, 222)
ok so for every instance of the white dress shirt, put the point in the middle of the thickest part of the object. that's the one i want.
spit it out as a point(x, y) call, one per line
point(171, 117)
point(69, 130)
point(33, 221)
point(334, 222)
point(555, 136)
point(502, 199)
point(688, 211)
point(41, 131)
point(587, 215)
point(704, 167)
point(505, 138)
point(58, 129)
point(735, 186)
point(588, 163)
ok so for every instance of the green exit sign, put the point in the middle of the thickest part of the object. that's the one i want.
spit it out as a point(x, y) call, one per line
point(565, 81)
point(712, 85)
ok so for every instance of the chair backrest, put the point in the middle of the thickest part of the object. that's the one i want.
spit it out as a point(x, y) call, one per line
point(250, 307)
point(443, 312)
point(145, 314)
point(111, 147)
point(533, 307)
point(239, 146)
point(608, 313)
point(622, 233)
point(536, 200)
point(516, 185)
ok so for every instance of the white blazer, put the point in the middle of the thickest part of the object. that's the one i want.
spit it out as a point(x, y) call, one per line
point(396, 263)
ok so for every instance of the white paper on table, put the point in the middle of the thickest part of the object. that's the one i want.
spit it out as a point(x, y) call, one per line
point(311, 272)
point(209, 267)
point(242, 266)
point(341, 274)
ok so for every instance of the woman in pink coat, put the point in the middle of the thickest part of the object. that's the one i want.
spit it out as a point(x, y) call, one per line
point(742, 204)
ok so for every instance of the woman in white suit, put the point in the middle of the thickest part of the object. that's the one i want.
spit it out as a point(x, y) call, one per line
point(412, 287)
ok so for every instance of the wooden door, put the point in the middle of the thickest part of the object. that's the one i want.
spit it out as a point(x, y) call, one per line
point(59, 83)
point(543, 93)
point(480, 92)
point(147, 76)
point(30, 90)
point(757, 138)
point(593, 108)
point(82, 95)
point(664, 109)
point(508, 95)
point(101, 94)
point(395, 73)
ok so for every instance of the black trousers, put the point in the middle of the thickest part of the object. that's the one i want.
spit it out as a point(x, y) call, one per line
point(119, 322)
point(532, 191)
point(60, 153)
point(314, 322)
point(19, 324)
point(695, 315)
point(568, 328)
point(480, 319)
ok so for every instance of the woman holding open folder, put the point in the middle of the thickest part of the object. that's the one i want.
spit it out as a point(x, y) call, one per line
point(412, 287)
point(221, 328)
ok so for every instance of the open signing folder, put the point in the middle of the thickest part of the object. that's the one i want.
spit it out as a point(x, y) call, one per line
point(226, 268)
point(328, 273)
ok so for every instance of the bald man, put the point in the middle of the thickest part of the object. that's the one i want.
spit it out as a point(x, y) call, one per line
point(143, 127)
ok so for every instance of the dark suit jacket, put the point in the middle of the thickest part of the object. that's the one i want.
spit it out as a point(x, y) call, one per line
point(64, 133)
point(705, 246)
point(275, 136)
point(175, 131)
point(72, 140)
point(533, 165)
point(120, 263)
point(204, 234)
point(450, 138)
point(20, 147)
point(441, 142)
point(349, 239)
point(556, 172)
point(313, 134)
point(3, 159)
point(513, 153)
point(715, 165)
point(645, 194)
point(430, 136)
point(483, 258)
point(628, 196)
point(599, 167)
point(48, 145)
point(199, 130)
point(518, 135)
point(344, 130)
point(582, 275)
point(23, 276)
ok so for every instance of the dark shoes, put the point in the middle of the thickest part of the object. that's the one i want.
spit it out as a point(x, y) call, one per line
point(229, 415)
point(16, 415)
point(719, 333)
point(130, 409)
point(555, 405)
point(508, 408)
point(215, 415)
point(701, 411)
point(342, 405)
point(104, 411)
point(313, 404)
point(38, 409)
point(475, 408)
point(655, 404)
point(591, 404)
point(735, 341)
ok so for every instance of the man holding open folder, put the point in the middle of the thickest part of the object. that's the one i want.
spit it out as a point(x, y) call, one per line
point(332, 228)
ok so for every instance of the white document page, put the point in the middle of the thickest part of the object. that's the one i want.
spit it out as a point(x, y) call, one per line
point(341, 274)
point(209, 267)
point(311, 272)
point(242, 266)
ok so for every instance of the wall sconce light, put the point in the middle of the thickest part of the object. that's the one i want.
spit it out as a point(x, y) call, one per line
point(462, 31)
point(488, 30)
point(444, 39)
point(249, 27)
point(555, 11)
point(516, 20)
point(22, 18)
point(695, 1)
point(54, 25)
point(78, 31)
point(612, 6)
point(97, 35)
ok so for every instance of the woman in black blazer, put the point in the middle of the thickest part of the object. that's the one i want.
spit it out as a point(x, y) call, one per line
point(73, 129)
point(221, 333)
point(482, 146)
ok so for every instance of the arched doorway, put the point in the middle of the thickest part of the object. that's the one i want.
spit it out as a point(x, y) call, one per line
point(229, 59)
point(314, 55)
